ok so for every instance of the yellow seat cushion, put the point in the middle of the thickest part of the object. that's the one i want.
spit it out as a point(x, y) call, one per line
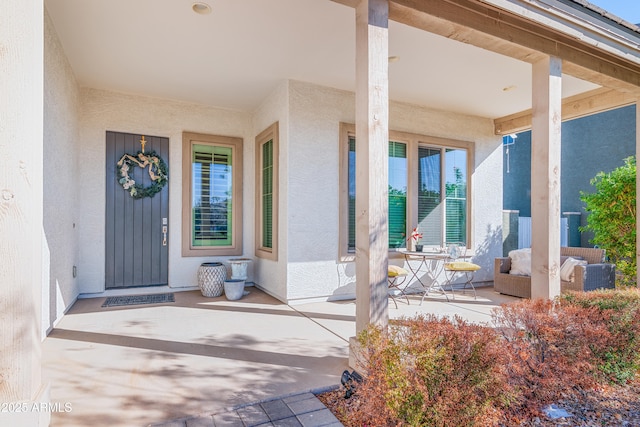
point(461, 266)
point(394, 271)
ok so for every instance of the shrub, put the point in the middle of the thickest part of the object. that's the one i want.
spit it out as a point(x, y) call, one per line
point(612, 217)
point(432, 372)
point(550, 348)
point(575, 342)
point(426, 371)
point(618, 357)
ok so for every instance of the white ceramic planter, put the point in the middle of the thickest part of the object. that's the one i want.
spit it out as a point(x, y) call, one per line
point(233, 289)
point(239, 268)
point(211, 277)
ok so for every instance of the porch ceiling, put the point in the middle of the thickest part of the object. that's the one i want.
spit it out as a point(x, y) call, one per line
point(234, 57)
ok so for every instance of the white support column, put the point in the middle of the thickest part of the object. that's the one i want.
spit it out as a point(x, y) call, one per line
point(21, 210)
point(372, 146)
point(545, 178)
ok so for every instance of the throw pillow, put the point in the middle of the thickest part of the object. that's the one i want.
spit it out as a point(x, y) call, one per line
point(520, 262)
point(567, 268)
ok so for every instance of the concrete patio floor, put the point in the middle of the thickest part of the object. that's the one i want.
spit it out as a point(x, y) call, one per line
point(145, 364)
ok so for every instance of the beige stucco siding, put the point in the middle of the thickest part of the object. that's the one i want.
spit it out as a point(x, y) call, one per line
point(313, 222)
point(61, 180)
point(272, 275)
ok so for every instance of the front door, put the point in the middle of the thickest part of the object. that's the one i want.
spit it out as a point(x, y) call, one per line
point(137, 216)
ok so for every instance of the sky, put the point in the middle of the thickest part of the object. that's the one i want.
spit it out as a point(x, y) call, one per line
point(629, 10)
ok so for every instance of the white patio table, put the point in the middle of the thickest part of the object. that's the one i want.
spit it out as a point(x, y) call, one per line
point(431, 263)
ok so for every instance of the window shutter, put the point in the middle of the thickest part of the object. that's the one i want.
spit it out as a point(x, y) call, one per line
point(211, 204)
point(440, 197)
point(397, 194)
point(352, 195)
point(456, 195)
point(429, 195)
point(267, 194)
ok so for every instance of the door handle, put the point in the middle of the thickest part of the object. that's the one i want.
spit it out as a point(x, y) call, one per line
point(164, 235)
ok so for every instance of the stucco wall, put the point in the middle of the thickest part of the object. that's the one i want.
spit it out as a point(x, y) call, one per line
point(102, 111)
point(61, 144)
point(272, 275)
point(313, 196)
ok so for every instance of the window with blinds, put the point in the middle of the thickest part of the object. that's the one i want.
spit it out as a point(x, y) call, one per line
point(430, 195)
point(212, 195)
point(442, 219)
point(398, 176)
point(437, 195)
point(266, 174)
point(267, 194)
point(456, 195)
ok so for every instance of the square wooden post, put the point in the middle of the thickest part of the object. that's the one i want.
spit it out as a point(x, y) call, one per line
point(545, 178)
point(21, 212)
point(372, 145)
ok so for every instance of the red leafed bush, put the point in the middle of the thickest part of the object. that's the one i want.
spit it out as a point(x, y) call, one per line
point(574, 343)
point(427, 371)
point(617, 353)
point(432, 372)
point(550, 346)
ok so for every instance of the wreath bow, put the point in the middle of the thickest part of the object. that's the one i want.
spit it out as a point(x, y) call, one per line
point(157, 173)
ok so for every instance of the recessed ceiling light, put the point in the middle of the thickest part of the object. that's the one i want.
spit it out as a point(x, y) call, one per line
point(201, 8)
point(394, 58)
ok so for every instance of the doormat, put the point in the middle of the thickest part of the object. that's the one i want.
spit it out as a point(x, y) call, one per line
point(138, 299)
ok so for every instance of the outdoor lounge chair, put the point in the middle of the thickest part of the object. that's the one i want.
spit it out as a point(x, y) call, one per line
point(595, 274)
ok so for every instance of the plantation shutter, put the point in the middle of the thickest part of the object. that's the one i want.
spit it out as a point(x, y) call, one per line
point(212, 191)
point(267, 194)
point(397, 194)
point(430, 195)
point(352, 195)
point(456, 196)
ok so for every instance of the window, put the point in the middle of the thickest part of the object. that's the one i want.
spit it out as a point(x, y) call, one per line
point(397, 193)
point(267, 193)
point(428, 187)
point(211, 195)
point(435, 166)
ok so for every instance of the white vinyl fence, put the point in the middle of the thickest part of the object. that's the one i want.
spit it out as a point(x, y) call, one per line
point(524, 232)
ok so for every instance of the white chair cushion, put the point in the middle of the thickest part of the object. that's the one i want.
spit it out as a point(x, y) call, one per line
point(461, 266)
point(394, 271)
